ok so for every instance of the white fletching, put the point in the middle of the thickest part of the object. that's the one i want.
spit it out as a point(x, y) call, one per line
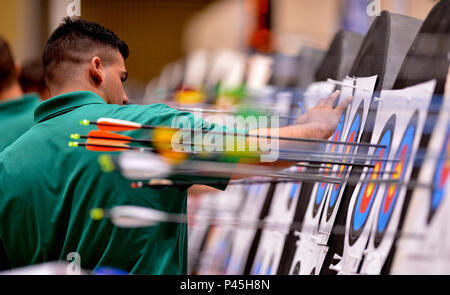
point(119, 122)
point(143, 166)
point(134, 216)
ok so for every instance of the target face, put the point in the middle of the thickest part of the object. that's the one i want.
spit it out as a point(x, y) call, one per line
point(368, 191)
point(322, 187)
point(293, 191)
point(440, 178)
point(392, 191)
point(292, 194)
point(257, 269)
point(270, 247)
point(352, 136)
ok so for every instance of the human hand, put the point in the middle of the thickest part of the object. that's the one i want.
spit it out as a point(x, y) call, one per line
point(323, 116)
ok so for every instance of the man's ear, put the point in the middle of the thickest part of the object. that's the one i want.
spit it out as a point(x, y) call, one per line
point(96, 70)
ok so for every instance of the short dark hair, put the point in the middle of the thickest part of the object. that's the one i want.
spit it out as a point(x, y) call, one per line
point(73, 40)
point(7, 66)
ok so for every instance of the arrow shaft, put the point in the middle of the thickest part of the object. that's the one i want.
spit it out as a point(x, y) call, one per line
point(286, 151)
point(152, 219)
point(309, 140)
point(167, 183)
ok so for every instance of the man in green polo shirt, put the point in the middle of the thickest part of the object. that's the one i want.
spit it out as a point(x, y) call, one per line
point(16, 109)
point(47, 189)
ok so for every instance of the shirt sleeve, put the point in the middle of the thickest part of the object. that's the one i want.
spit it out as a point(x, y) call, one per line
point(216, 141)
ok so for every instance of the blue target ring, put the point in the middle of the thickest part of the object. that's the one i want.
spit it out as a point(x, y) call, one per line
point(361, 213)
point(440, 178)
point(322, 187)
point(391, 194)
point(352, 136)
point(368, 191)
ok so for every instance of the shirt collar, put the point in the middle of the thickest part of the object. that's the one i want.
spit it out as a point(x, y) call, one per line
point(26, 99)
point(64, 103)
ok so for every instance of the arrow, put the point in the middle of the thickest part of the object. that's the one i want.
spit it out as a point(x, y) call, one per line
point(107, 124)
point(101, 144)
point(164, 144)
point(98, 146)
point(322, 163)
point(432, 111)
point(162, 183)
point(134, 217)
point(138, 166)
point(134, 166)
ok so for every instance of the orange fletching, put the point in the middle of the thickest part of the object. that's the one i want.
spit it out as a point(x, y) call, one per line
point(102, 145)
point(113, 137)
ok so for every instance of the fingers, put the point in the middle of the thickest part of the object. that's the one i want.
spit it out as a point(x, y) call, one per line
point(344, 104)
point(331, 100)
point(322, 102)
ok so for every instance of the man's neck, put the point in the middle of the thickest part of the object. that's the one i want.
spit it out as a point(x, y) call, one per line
point(60, 91)
point(13, 92)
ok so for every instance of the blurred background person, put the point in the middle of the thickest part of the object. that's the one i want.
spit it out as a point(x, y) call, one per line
point(16, 109)
point(32, 78)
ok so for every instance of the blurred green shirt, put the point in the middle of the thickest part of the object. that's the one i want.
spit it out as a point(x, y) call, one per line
point(16, 117)
point(47, 190)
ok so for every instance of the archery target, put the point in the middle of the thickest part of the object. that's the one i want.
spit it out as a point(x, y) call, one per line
point(198, 232)
point(394, 113)
point(391, 193)
point(428, 212)
point(411, 104)
point(243, 238)
point(282, 211)
point(440, 177)
point(217, 240)
point(320, 189)
point(308, 257)
point(427, 217)
point(367, 191)
point(426, 251)
point(359, 110)
point(306, 251)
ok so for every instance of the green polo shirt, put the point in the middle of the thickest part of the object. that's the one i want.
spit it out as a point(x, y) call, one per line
point(16, 117)
point(47, 190)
